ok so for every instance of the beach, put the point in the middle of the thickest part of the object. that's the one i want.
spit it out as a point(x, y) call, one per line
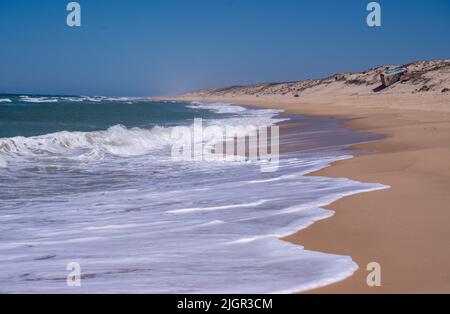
point(404, 228)
point(206, 149)
point(363, 177)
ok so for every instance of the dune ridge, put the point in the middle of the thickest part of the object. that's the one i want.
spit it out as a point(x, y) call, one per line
point(431, 77)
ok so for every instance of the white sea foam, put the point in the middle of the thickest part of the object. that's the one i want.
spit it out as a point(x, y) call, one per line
point(5, 100)
point(56, 99)
point(218, 107)
point(241, 112)
point(3, 163)
point(207, 209)
point(136, 222)
point(106, 98)
point(38, 99)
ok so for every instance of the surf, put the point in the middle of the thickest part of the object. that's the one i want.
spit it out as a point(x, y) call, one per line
point(113, 200)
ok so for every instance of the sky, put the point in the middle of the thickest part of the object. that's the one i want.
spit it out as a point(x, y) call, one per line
point(165, 47)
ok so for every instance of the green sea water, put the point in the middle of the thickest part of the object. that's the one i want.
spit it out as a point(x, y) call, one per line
point(33, 115)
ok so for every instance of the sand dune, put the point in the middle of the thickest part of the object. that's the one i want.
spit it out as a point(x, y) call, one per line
point(432, 77)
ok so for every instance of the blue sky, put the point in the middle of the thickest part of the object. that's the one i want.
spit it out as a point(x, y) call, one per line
point(160, 47)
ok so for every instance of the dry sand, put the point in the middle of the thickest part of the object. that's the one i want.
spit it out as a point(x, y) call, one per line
point(406, 229)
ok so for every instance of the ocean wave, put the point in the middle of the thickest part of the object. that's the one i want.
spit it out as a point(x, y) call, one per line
point(241, 116)
point(117, 140)
point(5, 100)
point(38, 99)
point(55, 99)
point(121, 141)
point(217, 107)
point(102, 98)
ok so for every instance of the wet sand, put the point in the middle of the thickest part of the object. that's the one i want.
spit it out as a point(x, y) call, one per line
point(406, 229)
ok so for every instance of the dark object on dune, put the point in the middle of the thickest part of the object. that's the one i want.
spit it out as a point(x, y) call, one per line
point(445, 90)
point(379, 88)
point(296, 95)
point(390, 77)
point(424, 88)
point(339, 77)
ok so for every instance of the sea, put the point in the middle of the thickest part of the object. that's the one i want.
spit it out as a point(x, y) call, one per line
point(90, 181)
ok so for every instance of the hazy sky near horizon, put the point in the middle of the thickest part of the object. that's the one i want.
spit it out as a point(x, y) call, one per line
point(161, 47)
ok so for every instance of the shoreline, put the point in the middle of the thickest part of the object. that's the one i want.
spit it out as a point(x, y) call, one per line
point(404, 228)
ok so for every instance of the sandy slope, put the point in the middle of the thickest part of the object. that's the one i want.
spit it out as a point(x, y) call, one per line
point(424, 77)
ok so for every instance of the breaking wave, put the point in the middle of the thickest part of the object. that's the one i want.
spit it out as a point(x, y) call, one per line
point(121, 141)
point(55, 99)
point(117, 140)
